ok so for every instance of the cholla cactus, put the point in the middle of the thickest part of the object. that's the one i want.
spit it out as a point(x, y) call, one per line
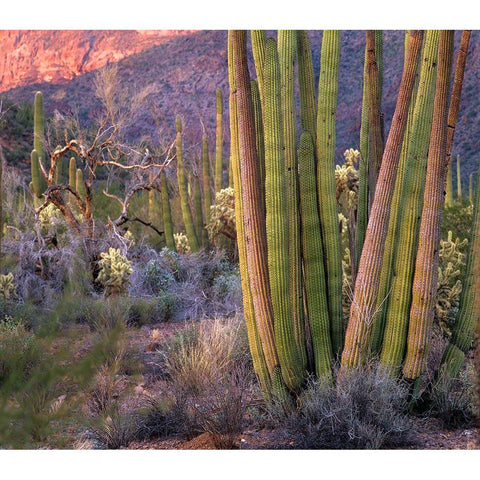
point(115, 271)
point(181, 243)
point(449, 286)
point(346, 177)
point(347, 284)
point(222, 214)
point(50, 216)
point(8, 288)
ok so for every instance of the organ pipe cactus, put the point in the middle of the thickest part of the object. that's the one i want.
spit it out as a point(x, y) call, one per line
point(449, 187)
point(206, 178)
point(459, 180)
point(258, 357)
point(326, 137)
point(218, 142)
point(424, 287)
point(313, 260)
point(469, 315)
point(287, 48)
point(167, 213)
point(276, 224)
point(364, 305)
point(260, 141)
point(183, 189)
point(202, 234)
point(79, 184)
point(399, 301)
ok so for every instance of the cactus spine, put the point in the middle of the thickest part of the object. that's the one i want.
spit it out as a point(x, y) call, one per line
point(426, 269)
point(326, 137)
point(219, 141)
point(167, 213)
point(183, 189)
point(362, 313)
point(396, 321)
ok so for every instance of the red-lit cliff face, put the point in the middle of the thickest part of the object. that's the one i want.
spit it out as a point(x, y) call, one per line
point(58, 56)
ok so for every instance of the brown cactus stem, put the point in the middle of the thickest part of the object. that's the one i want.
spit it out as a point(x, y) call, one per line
point(366, 286)
point(253, 205)
point(426, 268)
point(454, 107)
point(375, 149)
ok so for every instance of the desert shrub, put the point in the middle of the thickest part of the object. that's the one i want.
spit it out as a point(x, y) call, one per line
point(364, 410)
point(157, 277)
point(452, 400)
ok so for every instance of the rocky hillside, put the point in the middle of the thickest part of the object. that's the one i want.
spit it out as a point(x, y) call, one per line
point(185, 68)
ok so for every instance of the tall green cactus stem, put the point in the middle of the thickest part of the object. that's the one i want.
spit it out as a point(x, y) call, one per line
point(259, 39)
point(287, 48)
point(469, 315)
point(201, 232)
point(79, 184)
point(425, 280)
point(454, 107)
point(293, 370)
point(362, 202)
point(39, 183)
point(306, 85)
point(375, 148)
point(1, 204)
point(313, 259)
point(470, 189)
point(459, 180)
point(207, 181)
point(391, 239)
point(258, 357)
point(326, 138)
point(260, 140)
point(449, 187)
point(72, 171)
point(396, 320)
point(167, 213)
point(219, 141)
point(36, 175)
point(183, 190)
point(364, 305)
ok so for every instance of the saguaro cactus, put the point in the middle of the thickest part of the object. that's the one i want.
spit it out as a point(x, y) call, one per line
point(459, 180)
point(183, 189)
point(219, 142)
point(326, 138)
point(38, 179)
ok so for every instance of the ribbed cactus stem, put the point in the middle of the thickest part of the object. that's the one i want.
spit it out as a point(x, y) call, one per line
point(258, 357)
point(313, 260)
point(459, 180)
point(207, 180)
point(79, 184)
point(259, 39)
point(39, 183)
point(202, 235)
point(259, 136)
point(219, 141)
point(364, 305)
point(293, 371)
point(253, 207)
point(449, 187)
point(326, 139)
point(469, 315)
point(426, 267)
point(287, 48)
point(470, 188)
point(72, 171)
point(183, 189)
point(36, 175)
point(306, 85)
point(167, 213)
point(396, 320)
